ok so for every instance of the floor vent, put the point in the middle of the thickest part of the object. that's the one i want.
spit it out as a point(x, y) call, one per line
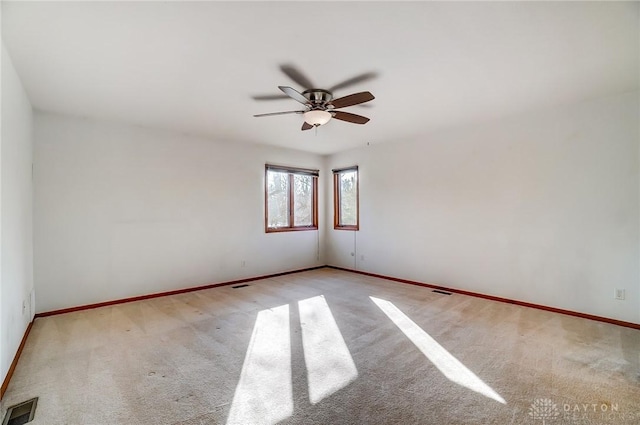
point(441, 292)
point(239, 286)
point(21, 413)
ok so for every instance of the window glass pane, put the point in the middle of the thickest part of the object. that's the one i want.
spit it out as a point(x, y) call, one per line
point(348, 198)
point(302, 200)
point(278, 199)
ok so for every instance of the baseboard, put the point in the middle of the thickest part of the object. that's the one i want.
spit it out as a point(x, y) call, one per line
point(14, 363)
point(493, 298)
point(395, 279)
point(167, 293)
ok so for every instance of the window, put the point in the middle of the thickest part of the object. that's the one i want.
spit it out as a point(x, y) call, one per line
point(345, 199)
point(291, 198)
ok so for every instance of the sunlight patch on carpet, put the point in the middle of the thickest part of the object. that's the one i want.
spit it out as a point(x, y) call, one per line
point(264, 393)
point(450, 367)
point(330, 366)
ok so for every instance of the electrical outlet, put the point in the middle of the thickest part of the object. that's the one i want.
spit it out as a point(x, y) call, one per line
point(618, 294)
point(24, 306)
point(362, 258)
point(243, 263)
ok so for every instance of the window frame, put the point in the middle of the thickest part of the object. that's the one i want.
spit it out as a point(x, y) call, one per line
point(291, 172)
point(336, 199)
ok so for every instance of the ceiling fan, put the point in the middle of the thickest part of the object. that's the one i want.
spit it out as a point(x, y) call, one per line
point(319, 104)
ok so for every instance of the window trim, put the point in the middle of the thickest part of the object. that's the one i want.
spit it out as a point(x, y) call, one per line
point(291, 171)
point(336, 199)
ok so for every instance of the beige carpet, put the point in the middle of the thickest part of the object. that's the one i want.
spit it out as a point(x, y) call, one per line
point(327, 347)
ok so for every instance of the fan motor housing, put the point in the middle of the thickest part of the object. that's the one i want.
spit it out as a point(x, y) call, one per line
point(318, 97)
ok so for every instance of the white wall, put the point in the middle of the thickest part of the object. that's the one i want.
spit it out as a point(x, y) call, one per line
point(122, 211)
point(542, 208)
point(16, 189)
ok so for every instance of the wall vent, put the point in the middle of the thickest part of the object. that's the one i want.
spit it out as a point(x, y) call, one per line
point(22, 413)
point(239, 286)
point(441, 292)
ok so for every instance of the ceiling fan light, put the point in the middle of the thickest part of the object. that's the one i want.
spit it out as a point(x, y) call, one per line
point(317, 118)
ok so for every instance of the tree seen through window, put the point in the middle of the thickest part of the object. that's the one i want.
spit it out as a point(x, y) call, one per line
point(291, 199)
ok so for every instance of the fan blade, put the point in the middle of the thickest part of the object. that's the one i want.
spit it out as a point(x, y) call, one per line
point(355, 80)
point(269, 97)
point(306, 126)
point(348, 117)
point(293, 94)
point(279, 113)
point(297, 76)
point(352, 99)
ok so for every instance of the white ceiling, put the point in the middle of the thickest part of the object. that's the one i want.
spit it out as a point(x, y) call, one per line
point(194, 67)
